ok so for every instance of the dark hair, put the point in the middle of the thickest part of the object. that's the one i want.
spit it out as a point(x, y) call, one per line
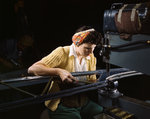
point(93, 37)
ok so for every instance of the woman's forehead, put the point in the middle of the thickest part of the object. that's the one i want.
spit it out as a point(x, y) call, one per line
point(88, 45)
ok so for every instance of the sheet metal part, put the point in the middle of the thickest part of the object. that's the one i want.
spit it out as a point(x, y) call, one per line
point(72, 91)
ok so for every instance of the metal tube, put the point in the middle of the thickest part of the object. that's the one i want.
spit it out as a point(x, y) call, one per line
point(75, 74)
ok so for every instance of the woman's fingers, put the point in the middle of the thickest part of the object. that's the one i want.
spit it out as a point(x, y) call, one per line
point(72, 78)
point(66, 76)
point(69, 78)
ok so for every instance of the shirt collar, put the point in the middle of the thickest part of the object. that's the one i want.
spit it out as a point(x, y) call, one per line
point(73, 53)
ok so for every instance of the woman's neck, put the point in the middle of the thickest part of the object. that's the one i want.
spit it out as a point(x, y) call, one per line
point(79, 57)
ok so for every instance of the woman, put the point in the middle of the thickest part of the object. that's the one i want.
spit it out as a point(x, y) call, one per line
point(63, 60)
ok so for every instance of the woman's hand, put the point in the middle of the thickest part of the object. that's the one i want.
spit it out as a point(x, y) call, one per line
point(65, 75)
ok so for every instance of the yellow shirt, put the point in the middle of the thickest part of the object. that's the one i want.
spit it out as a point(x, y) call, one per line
point(59, 58)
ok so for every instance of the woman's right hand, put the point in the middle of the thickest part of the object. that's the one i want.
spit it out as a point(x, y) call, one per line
point(65, 75)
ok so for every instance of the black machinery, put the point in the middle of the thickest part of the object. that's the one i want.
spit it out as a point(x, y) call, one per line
point(126, 44)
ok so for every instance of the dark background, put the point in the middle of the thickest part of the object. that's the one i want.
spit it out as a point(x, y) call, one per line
point(52, 24)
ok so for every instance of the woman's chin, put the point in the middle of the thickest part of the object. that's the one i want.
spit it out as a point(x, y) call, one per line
point(87, 55)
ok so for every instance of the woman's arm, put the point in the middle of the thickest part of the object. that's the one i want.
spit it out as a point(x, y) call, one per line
point(41, 69)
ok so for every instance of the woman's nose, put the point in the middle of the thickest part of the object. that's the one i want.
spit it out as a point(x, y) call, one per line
point(90, 50)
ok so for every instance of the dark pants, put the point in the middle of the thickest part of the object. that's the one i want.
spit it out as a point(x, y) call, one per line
point(85, 112)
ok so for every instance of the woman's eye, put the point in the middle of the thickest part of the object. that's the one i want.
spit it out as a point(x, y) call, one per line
point(88, 48)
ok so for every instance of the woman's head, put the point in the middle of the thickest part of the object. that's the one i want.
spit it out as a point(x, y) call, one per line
point(86, 34)
point(85, 40)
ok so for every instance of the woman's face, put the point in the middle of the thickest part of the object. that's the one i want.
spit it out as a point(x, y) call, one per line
point(85, 49)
